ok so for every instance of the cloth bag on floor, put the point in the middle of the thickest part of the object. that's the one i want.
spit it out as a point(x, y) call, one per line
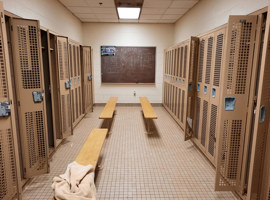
point(77, 183)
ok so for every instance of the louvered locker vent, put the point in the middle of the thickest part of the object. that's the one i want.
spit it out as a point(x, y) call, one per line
point(7, 165)
point(218, 59)
point(30, 71)
point(197, 120)
point(35, 139)
point(201, 61)
point(209, 60)
point(3, 83)
point(234, 98)
point(212, 134)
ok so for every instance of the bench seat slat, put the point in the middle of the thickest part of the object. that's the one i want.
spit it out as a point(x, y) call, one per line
point(147, 108)
point(91, 149)
point(108, 110)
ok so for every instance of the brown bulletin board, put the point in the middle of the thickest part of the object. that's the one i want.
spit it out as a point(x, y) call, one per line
point(129, 65)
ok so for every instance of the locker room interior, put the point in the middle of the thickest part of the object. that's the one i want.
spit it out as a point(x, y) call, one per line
point(211, 94)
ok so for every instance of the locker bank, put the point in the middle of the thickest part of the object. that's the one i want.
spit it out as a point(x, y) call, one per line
point(134, 99)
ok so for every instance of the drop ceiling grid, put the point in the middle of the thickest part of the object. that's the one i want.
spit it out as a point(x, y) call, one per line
point(153, 11)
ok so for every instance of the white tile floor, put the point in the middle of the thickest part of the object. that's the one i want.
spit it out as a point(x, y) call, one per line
point(136, 165)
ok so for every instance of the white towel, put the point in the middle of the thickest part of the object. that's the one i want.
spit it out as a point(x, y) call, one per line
point(76, 183)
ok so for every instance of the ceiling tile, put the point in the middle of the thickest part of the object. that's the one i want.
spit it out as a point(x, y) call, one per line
point(171, 21)
point(108, 20)
point(105, 3)
point(148, 21)
point(157, 3)
point(81, 9)
point(170, 17)
point(153, 11)
point(150, 16)
point(88, 16)
point(104, 10)
point(107, 16)
point(74, 3)
point(183, 4)
point(89, 20)
point(177, 11)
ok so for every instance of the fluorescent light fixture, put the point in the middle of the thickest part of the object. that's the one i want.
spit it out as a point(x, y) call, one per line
point(128, 13)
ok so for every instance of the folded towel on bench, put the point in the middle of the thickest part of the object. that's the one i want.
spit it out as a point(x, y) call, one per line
point(76, 183)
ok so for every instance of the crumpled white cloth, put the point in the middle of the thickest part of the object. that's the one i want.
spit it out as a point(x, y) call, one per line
point(77, 183)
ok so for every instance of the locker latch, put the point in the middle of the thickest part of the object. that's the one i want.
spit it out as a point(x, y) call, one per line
point(37, 96)
point(68, 84)
point(190, 87)
point(89, 78)
point(4, 109)
point(262, 114)
point(229, 103)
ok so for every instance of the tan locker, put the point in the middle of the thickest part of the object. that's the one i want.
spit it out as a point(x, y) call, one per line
point(208, 92)
point(28, 70)
point(234, 100)
point(178, 80)
point(75, 78)
point(191, 92)
point(87, 79)
point(64, 86)
point(55, 84)
point(259, 173)
point(9, 166)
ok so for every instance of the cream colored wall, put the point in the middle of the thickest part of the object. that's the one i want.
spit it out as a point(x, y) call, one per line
point(209, 14)
point(158, 35)
point(51, 13)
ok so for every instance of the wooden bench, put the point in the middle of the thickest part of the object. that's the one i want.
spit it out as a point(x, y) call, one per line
point(108, 111)
point(91, 149)
point(148, 111)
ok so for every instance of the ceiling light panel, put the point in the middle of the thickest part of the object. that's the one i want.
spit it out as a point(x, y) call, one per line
point(128, 13)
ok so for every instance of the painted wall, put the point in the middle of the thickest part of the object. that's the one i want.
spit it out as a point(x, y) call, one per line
point(158, 35)
point(51, 13)
point(209, 14)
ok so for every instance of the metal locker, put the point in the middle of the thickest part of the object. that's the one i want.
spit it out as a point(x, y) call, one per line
point(208, 91)
point(9, 159)
point(75, 78)
point(87, 79)
point(64, 85)
point(259, 173)
point(191, 91)
point(234, 100)
point(28, 70)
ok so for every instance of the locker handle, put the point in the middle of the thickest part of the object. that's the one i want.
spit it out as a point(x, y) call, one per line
point(37, 96)
point(213, 92)
point(198, 87)
point(67, 84)
point(183, 82)
point(5, 109)
point(262, 114)
point(190, 87)
point(179, 80)
point(229, 103)
point(89, 78)
point(205, 89)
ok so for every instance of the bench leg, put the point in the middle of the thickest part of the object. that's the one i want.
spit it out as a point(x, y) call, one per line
point(148, 125)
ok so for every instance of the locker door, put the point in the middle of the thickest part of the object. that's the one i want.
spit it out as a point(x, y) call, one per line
point(64, 90)
point(191, 86)
point(259, 176)
point(9, 162)
point(87, 78)
point(28, 70)
point(234, 100)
